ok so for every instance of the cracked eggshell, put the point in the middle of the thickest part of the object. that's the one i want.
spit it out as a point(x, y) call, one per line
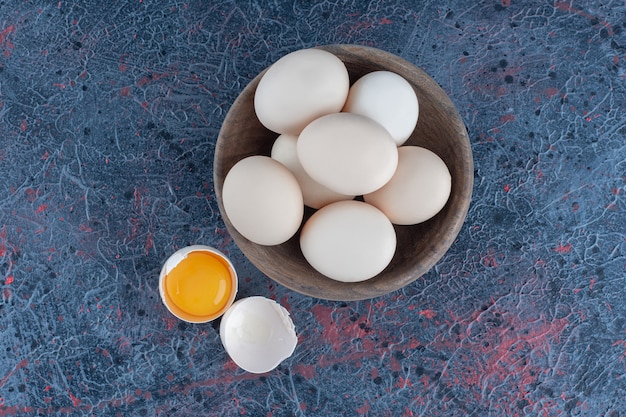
point(258, 334)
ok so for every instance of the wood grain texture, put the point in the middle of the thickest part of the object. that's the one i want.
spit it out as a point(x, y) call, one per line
point(420, 246)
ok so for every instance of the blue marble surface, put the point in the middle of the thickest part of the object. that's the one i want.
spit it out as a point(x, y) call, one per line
point(109, 114)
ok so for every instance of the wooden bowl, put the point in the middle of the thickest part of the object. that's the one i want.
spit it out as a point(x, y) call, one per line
point(419, 246)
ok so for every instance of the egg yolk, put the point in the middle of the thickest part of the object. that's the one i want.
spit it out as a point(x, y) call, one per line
point(200, 285)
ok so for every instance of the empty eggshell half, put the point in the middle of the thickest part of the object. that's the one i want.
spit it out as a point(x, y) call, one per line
point(263, 200)
point(314, 194)
point(348, 241)
point(258, 334)
point(300, 87)
point(418, 190)
point(389, 99)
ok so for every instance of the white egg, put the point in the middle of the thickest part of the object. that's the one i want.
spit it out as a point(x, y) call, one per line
point(258, 334)
point(300, 87)
point(314, 194)
point(262, 200)
point(348, 241)
point(387, 98)
point(418, 190)
point(348, 153)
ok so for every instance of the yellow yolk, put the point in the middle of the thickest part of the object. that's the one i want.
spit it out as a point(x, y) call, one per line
point(200, 285)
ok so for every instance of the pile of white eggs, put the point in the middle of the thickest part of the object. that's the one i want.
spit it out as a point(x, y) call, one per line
point(335, 142)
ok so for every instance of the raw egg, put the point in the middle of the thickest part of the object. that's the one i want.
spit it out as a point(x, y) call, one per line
point(263, 200)
point(389, 99)
point(348, 153)
point(314, 194)
point(198, 283)
point(418, 190)
point(258, 334)
point(300, 87)
point(348, 241)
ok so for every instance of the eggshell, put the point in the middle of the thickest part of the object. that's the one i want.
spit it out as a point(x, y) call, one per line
point(262, 200)
point(348, 153)
point(387, 98)
point(258, 334)
point(300, 87)
point(314, 194)
point(418, 190)
point(348, 241)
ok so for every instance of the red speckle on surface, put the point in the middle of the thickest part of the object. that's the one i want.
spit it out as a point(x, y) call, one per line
point(306, 371)
point(337, 331)
point(5, 42)
point(385, 21)
point(403, 383)
point(9, 280)
point(23, 363)
point(566, 6)
point(41, 208)
point(551, 92)
point(361, 25)
point(563, 248)
point(3, 241)
point(170, 321)
point(623, 344)
point(507, 188)
point(507, 118)
point(75, 400)
point(149, 242)
point(149, 78)
point(31, 194)
point(364, 410)
point(490, 261)
point(285, 303)
point(429, 314)
point(125, 91)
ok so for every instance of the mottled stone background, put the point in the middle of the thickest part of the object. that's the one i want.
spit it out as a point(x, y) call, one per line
point(109, 113)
